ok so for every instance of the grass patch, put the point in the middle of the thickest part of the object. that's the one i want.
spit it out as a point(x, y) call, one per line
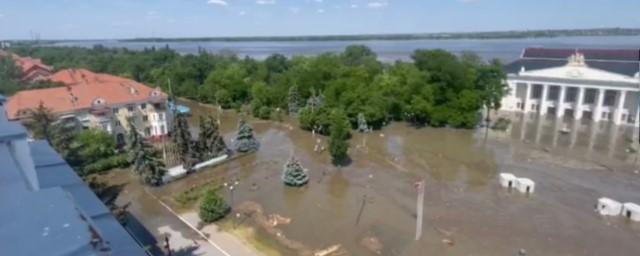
point(249, 235)
point(189, 198)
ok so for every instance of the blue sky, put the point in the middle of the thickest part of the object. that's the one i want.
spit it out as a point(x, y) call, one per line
point(87, 19)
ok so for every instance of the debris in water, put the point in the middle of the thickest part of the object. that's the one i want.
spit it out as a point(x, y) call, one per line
point(448, 242)
point(276, 219)
point(330, 250)
point(372, 244)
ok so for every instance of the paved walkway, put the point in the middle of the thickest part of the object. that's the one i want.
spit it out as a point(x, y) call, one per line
point(151, 221)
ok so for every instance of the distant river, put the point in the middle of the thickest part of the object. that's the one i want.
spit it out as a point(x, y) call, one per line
point(504, 49)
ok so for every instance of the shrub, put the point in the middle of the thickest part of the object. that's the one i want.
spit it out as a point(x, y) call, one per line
point(117, 161)
point(213, 207)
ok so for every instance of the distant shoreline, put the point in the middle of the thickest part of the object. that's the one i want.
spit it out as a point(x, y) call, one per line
point(488, 35)
point(424, 36)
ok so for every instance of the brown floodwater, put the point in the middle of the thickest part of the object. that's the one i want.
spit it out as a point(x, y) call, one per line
point(466, 212)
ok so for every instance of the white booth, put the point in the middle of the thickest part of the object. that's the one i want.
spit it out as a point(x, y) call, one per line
point(525, 185)
point(507, 180)
point(631, 211)
point(608, 207)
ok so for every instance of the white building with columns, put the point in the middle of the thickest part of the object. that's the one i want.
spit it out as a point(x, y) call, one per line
point(598, 85)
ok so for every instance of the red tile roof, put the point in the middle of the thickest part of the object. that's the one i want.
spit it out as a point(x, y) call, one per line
point(83, 88)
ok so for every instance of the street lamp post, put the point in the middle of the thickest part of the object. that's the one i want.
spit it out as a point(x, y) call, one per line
point(231, 186)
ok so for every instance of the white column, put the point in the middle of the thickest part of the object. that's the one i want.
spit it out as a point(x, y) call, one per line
point(577, 110)
point(560, 103)
point(527, 96)
point(622, 95)
point(637, 123)
point(543, 100)
point(597, 114)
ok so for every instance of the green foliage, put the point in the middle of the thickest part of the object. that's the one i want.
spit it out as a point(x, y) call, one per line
point(181, 138)
point(94, 145)
point(210, 142)
point(338, 140)
point(40, 121)
point(293, 174)
point(144, 159)
point(106, 164)
point(245, 141)
point(213, 207)
point(437, 88)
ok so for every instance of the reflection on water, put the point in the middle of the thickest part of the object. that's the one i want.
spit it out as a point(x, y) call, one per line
point(579, 137)
point(375, 195)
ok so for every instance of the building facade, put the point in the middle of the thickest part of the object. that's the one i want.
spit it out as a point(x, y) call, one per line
point(582, 84)
point(100, 101)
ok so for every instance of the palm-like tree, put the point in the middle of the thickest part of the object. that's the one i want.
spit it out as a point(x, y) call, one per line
point(40, 122)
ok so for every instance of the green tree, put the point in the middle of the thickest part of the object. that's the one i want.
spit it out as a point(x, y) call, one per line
point(293, 174)
point(181, 138)
point(293, 100)
point(40, 121)
point(338, 140)
point(144, 159)
point(245, 141)
point(210, 143)
point(491, 81)
point(213, 207)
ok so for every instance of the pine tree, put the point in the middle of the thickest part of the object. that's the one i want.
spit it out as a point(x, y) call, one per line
point(210, 143)
point(213, 207)
point(181, 138)
point(245, 141)
point(362, 123)
point(338, 140)
point(294, 100)
point(144, 159)
point(293, 174)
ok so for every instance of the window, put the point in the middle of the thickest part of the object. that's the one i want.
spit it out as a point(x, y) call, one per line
point(610, 98)
point(162, 130)
point(161, 116)
point(554, 93)
point(116, 110)
point(571, 94)
point(536, 93)
point(143, 105)
point(118, 124)
point(130, 108)
point(590, 96)
point(147, 131)
point(145, 118)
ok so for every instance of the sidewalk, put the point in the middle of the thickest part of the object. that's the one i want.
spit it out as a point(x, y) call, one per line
point(151, 221)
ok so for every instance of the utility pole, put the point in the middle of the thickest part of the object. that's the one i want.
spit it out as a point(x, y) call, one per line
point(419, 208)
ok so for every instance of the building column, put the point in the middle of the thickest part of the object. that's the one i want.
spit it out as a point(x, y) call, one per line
point(543, 100)
point(622, 95)
point(637, 123)
point(560, 103)
point(597, 113)
point(527, 96)
point(577, 110)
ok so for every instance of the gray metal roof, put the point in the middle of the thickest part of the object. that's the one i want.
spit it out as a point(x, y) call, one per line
point(62, 215)
point(53, 171)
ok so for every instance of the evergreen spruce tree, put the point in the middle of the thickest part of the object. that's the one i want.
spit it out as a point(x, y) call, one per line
point(362, 123)
point(293, 174)
point(145, 159)
point(294, 100)
point(213, 207)
point(181, 137)
point(210, 143)
point(245, 141)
